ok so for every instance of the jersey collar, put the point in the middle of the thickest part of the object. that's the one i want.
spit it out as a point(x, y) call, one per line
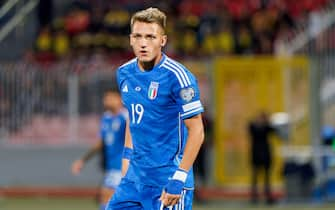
point(154, 68)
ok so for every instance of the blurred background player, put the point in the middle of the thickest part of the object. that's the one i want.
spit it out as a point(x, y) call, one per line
point(112, 134)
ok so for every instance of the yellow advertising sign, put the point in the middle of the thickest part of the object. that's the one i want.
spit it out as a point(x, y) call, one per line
point(244, 87)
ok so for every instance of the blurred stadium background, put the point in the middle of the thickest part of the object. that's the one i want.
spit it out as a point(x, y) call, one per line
point(56, 58)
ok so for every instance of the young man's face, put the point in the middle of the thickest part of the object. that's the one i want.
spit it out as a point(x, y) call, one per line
point(112, 101)
point(147, 40)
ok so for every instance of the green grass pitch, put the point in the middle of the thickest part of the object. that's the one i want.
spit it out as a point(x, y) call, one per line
point(90, 204)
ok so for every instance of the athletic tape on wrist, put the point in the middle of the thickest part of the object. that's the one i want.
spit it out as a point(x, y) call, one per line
point(127, 152)
point(180, 175)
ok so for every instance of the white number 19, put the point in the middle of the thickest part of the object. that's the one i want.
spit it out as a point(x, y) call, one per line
point(137, 111)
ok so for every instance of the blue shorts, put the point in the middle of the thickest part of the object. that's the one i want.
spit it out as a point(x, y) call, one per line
point(112, 179)
point(132, 196)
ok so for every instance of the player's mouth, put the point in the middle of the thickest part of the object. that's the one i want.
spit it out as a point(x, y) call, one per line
point(143, 53)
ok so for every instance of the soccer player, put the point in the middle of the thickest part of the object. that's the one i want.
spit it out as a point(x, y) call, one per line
point(111, 143)
point(165, 131)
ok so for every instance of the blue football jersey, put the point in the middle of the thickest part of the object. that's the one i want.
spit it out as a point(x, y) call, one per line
point(158, 101)
point(112, 133)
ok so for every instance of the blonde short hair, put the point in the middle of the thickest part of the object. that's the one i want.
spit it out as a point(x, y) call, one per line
point(150, 15)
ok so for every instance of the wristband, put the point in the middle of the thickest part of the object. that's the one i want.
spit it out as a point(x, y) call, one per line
point(176, 183)
point(127, 152)
point(180, 175)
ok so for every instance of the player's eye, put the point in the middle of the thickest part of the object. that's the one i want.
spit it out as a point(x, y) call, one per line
point(136, 36)
point(150, 37)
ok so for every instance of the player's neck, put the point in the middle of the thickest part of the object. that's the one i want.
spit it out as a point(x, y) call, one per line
point(113, 111)
point(148, 66)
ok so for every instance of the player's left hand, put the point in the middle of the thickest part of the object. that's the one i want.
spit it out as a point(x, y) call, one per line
point(169, 199)
point(172, 191)
point(77, 166)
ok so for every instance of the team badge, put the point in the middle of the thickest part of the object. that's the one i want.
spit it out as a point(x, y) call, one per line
point(187, 94)
point(153, 90)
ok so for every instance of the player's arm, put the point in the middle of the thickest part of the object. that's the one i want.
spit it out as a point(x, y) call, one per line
point(171, 194)
point(128, 149)
point(79, 164)
point(195, 139)
point(187, 96)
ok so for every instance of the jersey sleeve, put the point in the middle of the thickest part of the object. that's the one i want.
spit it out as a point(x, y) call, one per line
point(118, 79)
point(187, 96)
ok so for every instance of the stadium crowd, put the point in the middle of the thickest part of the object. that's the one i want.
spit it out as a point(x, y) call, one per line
point(91, 32)
point(195, 27)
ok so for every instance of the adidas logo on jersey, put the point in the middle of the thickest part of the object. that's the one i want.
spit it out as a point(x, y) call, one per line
point(125, 89)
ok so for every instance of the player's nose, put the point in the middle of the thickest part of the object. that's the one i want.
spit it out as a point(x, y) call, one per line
point(143, 43)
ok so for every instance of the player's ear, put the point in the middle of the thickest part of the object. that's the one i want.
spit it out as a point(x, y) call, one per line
point(164, 40)
point(130, 40)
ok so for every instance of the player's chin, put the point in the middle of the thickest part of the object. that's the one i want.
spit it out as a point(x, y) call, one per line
point(145, 59)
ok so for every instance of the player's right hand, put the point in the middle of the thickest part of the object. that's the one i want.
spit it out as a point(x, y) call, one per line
point(77, 166)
